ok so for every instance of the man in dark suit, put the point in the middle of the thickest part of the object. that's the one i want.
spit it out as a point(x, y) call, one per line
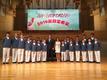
point(50, 48)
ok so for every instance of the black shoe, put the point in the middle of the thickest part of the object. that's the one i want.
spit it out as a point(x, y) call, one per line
point(3, 63)
point(13, 62)
point(98, 62)
point(7, 62)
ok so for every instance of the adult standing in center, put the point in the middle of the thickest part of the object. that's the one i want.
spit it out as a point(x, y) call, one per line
point(50, 48)
point(57, 49)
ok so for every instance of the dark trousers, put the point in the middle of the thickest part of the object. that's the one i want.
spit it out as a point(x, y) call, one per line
point(50, 56)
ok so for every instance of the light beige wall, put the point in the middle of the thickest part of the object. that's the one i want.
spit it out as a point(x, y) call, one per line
point(100, 22)
point(6, 23)
point(96, 22)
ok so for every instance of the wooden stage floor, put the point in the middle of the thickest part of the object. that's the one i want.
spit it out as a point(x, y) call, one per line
point(54, 71)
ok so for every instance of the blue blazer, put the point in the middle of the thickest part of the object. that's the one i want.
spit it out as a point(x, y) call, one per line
point(44, 47)
point(39, 47)
point(21, 44)
point(34, 47)
point(7, 42)
point(15, 43)
point(28, 46)
point(77, 47)
point(92, 40)
point(63, 49)
point(90, 46)
point(66, 45)
point(71, 47)
point(83, 47)
point(97, 46)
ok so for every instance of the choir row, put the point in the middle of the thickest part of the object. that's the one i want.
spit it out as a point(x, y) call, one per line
point(31, 50)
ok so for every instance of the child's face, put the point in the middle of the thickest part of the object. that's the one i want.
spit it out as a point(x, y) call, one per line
point(96, 40)
point(89, 40)
point(21, 36)
point(34, 41)
point(62, 42)
point(38, 41)
point(16, 34)
point(44, 41)
point(28, 39)
point(71, 40)
point(84, 37)
point(92, 35)
point(77, 38)
point(67, 39)
point(7, 35)
point(82, 41)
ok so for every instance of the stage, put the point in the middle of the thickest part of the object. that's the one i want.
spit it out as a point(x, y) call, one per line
point(56, 70)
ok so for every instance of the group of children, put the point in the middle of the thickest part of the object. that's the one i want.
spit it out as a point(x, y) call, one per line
point(23, 50)
point(85, 50)
point(27, 50)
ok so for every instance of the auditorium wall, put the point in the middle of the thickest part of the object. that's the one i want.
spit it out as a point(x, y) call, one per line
point(100, 21)
point(6, 23)
point(10, 23)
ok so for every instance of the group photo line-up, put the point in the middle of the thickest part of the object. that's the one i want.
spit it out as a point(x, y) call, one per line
point(30, 50)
